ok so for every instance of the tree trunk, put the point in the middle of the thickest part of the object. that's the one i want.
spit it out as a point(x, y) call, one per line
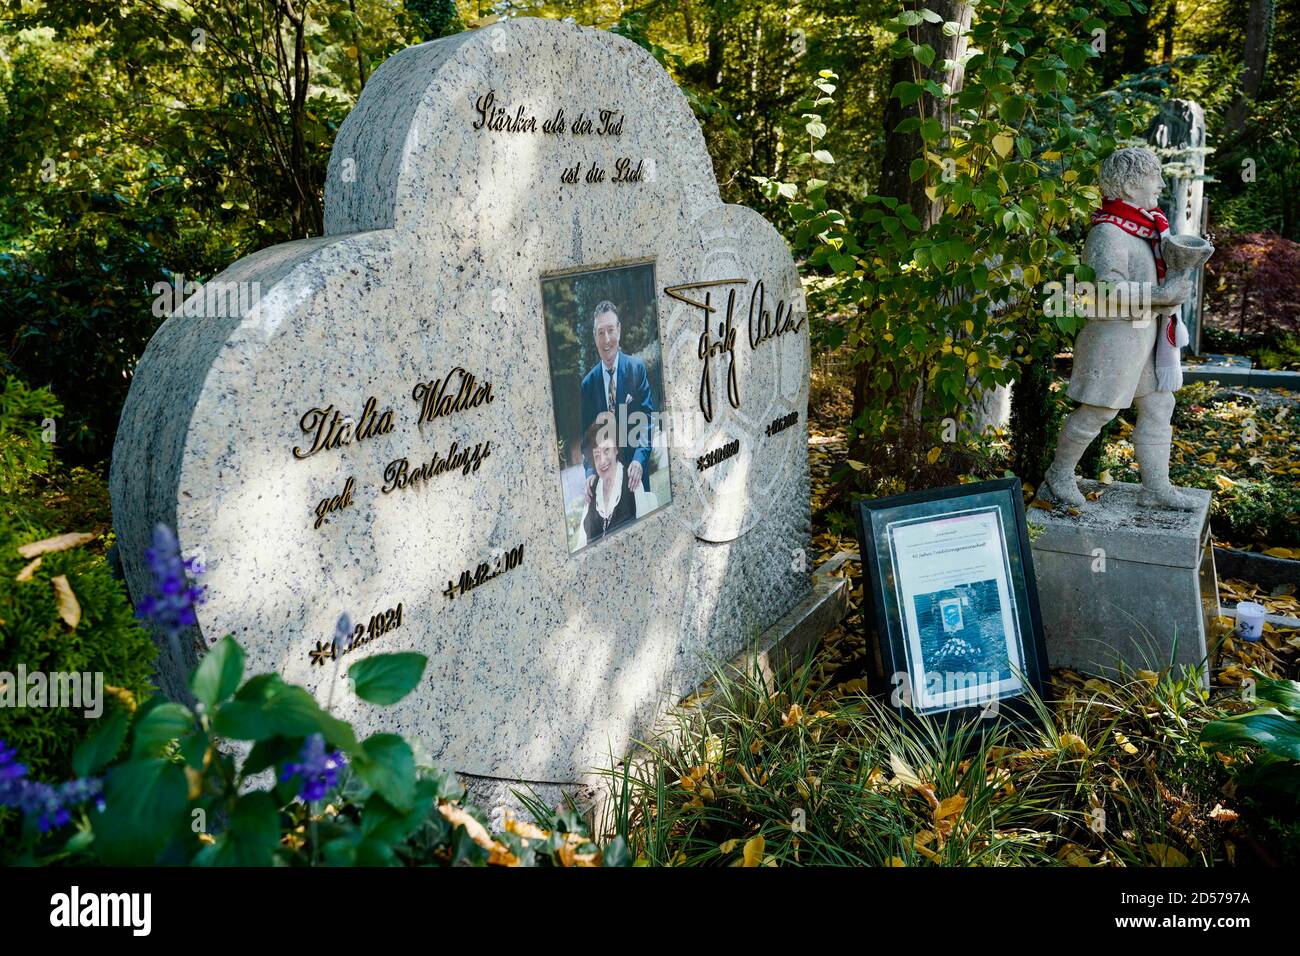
point(1137, 37)
point(1032, 422)
point(1259, 31)
point(356, 43)
point(716, 50)
point(900, 150)
point(1126, 44)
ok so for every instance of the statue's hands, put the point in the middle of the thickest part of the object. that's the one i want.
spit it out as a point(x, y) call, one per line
point(1173, 292)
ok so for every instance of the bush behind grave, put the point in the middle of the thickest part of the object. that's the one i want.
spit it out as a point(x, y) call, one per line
point(107, 639)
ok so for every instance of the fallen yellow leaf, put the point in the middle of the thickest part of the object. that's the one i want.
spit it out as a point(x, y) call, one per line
point(905, 774)
point(522, 828)
point(459, 818)
point(1165, 855)
point(1222, 814)
point(1073, 855)
point(28, 570)
point(127, 700)
point(69, 608)
point(754, 851)
point(1074, 743)
point(949, 807)
point(919, 844)
point(60, 542)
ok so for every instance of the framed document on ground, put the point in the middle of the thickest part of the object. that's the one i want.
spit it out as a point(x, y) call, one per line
point(956, 605)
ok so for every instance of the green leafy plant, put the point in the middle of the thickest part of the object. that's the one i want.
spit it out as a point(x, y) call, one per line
point(26, 441)
point(939, 289)
point(257, 773)
point(1272, 730)
point(796, 771)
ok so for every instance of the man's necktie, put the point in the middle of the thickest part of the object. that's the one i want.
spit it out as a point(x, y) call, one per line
point(612, 398)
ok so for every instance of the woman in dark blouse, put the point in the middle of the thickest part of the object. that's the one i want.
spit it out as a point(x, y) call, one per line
point(612, 505)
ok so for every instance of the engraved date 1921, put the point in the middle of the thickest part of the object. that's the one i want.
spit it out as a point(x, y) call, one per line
point(380, 624)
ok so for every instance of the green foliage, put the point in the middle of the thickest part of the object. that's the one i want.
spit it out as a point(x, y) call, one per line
point(386, 678)
point(177, 795)
point(26, 438)
point(939, 308)
point(1264, 509)
point(434, 18)
point(111, 655)
point(1262, 746)
point(1274, 728)
point(107, 641)
point(1285, 354)
point(1259, 510)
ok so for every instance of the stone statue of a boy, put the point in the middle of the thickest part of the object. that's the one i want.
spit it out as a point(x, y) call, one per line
point(1128, 353)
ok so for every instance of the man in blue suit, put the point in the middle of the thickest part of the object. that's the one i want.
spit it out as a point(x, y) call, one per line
point(618, 383)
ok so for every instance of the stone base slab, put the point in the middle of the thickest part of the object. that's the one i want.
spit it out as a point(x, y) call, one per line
point(1121, 585)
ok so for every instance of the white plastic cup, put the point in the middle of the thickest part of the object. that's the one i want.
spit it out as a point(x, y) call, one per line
point(1250, 620)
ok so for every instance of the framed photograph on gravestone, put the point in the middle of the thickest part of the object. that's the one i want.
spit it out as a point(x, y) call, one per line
point(602, 338)
point(956, 604)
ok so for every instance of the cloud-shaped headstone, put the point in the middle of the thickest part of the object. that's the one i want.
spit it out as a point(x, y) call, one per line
point(394, 418)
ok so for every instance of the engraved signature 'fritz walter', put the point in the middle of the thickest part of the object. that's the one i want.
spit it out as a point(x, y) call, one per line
point(763, 325)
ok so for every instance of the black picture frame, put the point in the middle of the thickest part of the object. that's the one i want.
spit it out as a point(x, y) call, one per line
point(933, 622)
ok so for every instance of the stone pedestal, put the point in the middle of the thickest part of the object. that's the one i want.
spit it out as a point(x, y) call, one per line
point(1119, 583)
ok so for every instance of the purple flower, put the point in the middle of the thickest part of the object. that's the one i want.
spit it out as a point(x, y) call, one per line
point(172, 607)
point(50, 805)
point(13, 776)
point(319, 770)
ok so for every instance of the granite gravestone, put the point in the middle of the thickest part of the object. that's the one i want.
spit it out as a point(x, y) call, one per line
point(397, 426)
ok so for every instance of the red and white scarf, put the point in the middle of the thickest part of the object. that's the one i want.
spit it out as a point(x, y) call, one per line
point(1152, 225)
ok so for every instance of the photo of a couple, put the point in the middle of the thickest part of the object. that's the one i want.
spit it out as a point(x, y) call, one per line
point(602, 337)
